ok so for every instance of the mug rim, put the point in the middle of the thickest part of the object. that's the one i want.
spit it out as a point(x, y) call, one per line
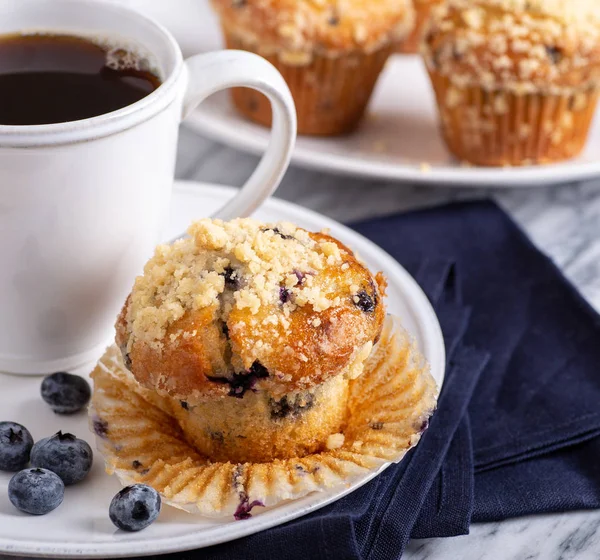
point(107, 124)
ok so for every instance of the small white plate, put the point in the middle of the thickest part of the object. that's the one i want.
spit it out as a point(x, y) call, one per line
point(399, 139)
point(80, 527)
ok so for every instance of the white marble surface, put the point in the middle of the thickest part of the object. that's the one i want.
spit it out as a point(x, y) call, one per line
point(564, 221)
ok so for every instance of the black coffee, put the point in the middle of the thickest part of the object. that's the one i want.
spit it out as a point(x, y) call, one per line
point(48, 79)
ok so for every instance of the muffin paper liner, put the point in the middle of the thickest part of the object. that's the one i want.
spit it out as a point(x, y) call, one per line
point(388, 410)
point(331, 93)
point(500, 128)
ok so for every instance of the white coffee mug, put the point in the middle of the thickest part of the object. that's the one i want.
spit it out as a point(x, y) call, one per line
point(82, 203)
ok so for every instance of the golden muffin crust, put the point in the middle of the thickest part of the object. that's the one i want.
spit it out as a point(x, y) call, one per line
point(523, 46)
point(295, 29)
point(243, 304)
point(259, 429)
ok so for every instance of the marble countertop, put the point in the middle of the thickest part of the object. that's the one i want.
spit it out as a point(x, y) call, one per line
point(564, 221)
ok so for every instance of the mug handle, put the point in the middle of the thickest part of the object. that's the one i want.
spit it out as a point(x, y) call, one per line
point(212, 72)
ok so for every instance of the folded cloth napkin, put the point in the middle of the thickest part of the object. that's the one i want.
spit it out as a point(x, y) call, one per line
point(517, 426)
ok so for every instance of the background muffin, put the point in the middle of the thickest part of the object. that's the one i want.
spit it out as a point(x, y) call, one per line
point(412, 43)
point(329, 52)
point(246, 327)
point(516, 81)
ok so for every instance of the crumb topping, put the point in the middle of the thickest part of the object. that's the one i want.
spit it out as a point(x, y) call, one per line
point(335, 441)
point(520, 45)
point(296, 29)
point(241, 264)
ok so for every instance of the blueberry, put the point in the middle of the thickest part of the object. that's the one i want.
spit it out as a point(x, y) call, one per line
point(245, 507)
point(232, 278)
point(64, 454)
point(365, 302)
point(135, 507)
point(36, 491)
point(301, 276)
point(554, 53)
point(15, 445)
point(100, 427)
point(284, 295)
point(65, 393)
point(239, 383)
point(278, 232)
point(291, 406)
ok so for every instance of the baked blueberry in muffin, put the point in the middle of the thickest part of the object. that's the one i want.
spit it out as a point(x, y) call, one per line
point(253, 331)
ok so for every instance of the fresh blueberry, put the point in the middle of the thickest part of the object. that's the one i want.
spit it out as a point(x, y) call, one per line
point(69, 457)
point(36, 491)
point(135, 507)
point(66, 393)
point(15, 445)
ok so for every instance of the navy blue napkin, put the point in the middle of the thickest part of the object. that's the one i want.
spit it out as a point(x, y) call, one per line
point(535, 415)
point(517, 426)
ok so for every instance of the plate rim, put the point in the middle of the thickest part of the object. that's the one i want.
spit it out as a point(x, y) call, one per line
point(420, 307)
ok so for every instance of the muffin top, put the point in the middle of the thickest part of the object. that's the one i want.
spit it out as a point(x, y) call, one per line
point(521, 45)
point(419, 3)
point(242, 305)
point(295, 29)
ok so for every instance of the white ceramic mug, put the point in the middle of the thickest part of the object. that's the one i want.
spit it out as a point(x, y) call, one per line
point(82, 203)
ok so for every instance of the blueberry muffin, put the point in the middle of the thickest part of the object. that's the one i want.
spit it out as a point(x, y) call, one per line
point(329, 52)
point(253, 331)
point(516, 81)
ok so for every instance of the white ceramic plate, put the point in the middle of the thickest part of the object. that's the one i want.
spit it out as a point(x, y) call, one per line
point(80, 527)
point(399, 139)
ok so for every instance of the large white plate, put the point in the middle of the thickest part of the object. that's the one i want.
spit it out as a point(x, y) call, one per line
point(399, 140)
point(80, 527)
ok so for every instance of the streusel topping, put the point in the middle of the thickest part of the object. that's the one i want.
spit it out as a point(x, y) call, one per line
point(521, 45)
point(296, 29)
point(240, 264)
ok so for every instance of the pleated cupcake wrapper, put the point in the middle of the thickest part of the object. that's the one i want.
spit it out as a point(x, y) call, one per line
point(388, 410)
point(331, 93)
point(504, 128)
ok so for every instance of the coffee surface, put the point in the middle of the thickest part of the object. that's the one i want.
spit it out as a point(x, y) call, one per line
point(47, 79)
